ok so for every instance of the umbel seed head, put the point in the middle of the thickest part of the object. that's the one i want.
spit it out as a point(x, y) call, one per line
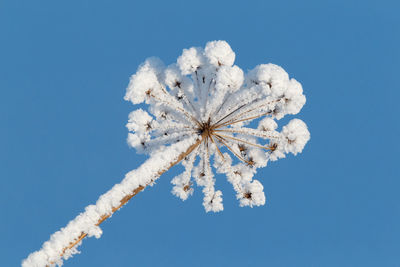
point(207, 114)
point(204, 95)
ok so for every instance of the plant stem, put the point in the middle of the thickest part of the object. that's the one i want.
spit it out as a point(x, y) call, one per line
point(125, 199)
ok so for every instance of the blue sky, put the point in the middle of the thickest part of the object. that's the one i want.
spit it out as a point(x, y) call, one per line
point(64, 67)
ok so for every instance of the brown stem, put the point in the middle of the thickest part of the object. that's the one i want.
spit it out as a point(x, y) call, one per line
point(243, 141)
point(230, 113)
point(219, 151)
point(241, 130)
point(125, 199)
point(240, 107)
point(234, 119)
point(221, 139)
point(237, 121)
point(184, 112)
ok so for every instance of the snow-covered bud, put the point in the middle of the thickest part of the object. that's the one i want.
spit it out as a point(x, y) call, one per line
point(172, 76)
point(219, 53)
point(191, 59)
point(267, 124)
point(144, 81)
point(140, 121)
point(229, 78)
point(276, 150)
point(212, 200)
point(252, 195)
point(293, 98)
point(296, 136)
point(271, 77)
point(183, 187)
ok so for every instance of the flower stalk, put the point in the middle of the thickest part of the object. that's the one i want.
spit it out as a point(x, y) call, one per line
point(128, 197)
point(198, 111)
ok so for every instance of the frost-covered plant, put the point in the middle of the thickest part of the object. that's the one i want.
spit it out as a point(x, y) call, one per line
point(203, 112)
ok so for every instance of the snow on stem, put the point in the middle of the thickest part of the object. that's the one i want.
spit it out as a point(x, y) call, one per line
point(63, 243)
point(197, 108)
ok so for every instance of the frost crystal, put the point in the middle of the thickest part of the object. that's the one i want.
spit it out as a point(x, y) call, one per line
point(201, 108)
point(204, 95)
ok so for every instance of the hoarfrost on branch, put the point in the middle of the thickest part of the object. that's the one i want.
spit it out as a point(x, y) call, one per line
point(206, 113)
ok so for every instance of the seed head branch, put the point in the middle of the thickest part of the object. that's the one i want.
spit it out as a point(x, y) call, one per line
point(195, 108)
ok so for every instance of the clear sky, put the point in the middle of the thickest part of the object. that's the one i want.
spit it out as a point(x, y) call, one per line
point(64, 67)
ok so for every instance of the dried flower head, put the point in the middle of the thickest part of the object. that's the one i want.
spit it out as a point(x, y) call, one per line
point(205, 97)
point(203, 107)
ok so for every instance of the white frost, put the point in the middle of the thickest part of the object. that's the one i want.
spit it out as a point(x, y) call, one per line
point(203, 88)
point(206, 103)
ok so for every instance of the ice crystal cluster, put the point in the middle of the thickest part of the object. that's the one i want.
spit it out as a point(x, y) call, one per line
point(206, 113)
point(206, 96)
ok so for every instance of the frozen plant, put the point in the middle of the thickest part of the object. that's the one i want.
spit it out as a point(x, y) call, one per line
point(207, 114)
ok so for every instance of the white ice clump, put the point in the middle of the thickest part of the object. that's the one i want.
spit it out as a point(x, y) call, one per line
point(296, 135)
point(219, 53)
